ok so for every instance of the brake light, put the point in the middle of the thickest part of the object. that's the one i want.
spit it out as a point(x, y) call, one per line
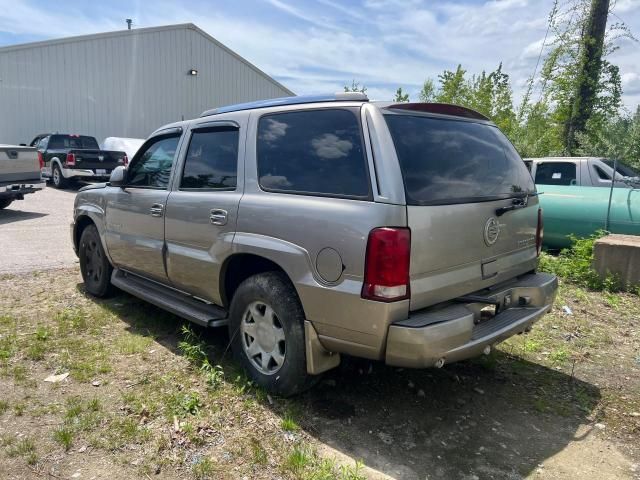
point(125, 160)
point(386, 270)
point(71, 159)
point(41, 160)
point(539, 232)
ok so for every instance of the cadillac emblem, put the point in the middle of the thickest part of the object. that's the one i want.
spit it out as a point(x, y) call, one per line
point(491, 231)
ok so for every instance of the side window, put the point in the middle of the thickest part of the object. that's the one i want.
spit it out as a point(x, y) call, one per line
point(315, 152)
point(152, 168)
point(602, 175)
point(556, 173)
point(42, 144)
point(212, 160)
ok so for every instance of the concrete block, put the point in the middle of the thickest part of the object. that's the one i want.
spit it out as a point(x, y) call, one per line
point(618, 255)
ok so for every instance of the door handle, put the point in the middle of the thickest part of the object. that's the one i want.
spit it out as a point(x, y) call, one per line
point(157, 209)
point(218, 216)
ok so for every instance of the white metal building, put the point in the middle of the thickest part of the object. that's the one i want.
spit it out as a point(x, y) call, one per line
point(124, 84)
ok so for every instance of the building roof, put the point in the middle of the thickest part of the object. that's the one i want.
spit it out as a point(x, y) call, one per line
point(141, 31)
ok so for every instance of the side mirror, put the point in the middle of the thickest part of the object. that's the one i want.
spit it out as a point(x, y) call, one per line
point(118, 176)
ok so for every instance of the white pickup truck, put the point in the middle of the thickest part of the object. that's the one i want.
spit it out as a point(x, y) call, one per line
point(19, 173)
point(581, 172)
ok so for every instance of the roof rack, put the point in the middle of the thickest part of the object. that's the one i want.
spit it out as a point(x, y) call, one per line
point(277, 102)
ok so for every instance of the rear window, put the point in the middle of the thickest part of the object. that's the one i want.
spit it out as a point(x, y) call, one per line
point(454, 161)
point(312, 152)
point(73, 141)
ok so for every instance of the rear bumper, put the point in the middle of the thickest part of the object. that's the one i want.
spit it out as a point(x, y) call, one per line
point(85, 173)
point(19, 191)
point(433, 337)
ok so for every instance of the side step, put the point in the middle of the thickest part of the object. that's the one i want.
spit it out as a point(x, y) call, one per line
point(171, 300)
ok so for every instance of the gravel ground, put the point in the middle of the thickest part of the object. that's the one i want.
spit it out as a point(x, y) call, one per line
point(34, 232)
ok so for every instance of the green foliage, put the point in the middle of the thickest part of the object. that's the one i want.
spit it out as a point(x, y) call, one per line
point(195, 350)
point(401, 96)
point(355, 87)
point(575, 265)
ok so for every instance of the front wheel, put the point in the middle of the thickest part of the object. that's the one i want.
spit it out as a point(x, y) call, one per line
point(94, 264)
point(266, 327)
point(5, 203)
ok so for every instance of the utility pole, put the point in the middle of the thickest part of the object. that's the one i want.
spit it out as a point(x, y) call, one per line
point(589, 66)
point(129, 21)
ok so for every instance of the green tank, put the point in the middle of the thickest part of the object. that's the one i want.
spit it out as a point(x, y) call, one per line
point(582, 211)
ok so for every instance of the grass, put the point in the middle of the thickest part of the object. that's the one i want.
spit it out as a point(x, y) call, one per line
point(63, 436)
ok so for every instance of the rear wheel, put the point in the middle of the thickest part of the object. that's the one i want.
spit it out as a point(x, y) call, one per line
point(5, 203)
point(57, 179)
point(266, 327)
point(94, 265)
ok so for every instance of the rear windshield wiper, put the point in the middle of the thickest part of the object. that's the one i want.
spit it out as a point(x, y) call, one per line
point(519, 201)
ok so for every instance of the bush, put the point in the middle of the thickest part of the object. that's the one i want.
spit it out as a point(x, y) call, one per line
point(574, 264)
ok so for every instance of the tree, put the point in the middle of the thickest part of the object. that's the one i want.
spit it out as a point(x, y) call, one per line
point(453, 87)
point(428, 92)
point(355, 87)
point(401, 96)
point(588, 81)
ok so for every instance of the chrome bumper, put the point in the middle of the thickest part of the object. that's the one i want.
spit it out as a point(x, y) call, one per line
point(433, 337)
point(76, 172)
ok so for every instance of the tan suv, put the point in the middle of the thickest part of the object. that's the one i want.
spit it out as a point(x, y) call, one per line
point(318, 226)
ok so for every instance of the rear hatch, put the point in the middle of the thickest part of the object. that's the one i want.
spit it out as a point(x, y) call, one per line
point(458, 173)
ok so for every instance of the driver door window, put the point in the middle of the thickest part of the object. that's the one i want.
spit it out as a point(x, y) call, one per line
point(152, 169)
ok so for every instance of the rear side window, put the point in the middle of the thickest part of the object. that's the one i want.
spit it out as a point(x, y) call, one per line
point(73, 141)
point(556, 173)
point(315, 152)
point(452, 161)
point(212, 160)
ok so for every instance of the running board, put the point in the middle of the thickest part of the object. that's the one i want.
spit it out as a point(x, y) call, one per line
point(207, 315)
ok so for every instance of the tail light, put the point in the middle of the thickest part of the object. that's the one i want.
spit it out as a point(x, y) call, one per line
point(539, 232)
point(71, 159)
point(386, 270)
point(41, 160)
point(125, 160)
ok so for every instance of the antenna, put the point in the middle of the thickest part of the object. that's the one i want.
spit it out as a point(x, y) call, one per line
point(129, 22)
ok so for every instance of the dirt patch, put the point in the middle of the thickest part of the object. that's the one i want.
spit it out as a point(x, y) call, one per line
point(558, 403)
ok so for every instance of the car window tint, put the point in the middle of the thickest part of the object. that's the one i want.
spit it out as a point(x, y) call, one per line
point(153, 167)
point(602, 174)
point(73, 141)
point(313, 152)
point(452, 161)
point(212, 160)
point(556, 173)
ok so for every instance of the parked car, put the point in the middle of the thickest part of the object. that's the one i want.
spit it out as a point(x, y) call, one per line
point(581, 171)
point(582, 211)
point(66, 157)
point(128, 145)
point(318, 226)
point(19, 173)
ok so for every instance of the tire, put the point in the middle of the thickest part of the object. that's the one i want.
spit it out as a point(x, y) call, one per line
point(267, 306)
point(57, 180)
point(5, 203)
point(94, 265)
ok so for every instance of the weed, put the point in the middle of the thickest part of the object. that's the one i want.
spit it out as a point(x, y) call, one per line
point(288, 424)
point(36, 351)
point(192, 347)
point(71, 321)
point(19, 373)
point(560, 355)
point(132, 344)
point(42, 333)
point(63, 436)
point(6, 440)
point(258, 451)
point(203, 469)
point(23, 448)
point(19, 409)
point(298, 460)
point(4, 406)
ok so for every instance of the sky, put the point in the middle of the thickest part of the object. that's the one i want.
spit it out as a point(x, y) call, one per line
point(319, 46)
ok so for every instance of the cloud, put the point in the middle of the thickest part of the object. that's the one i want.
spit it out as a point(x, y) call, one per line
point(331, 147)
point(274, 181)
point(631, 83)
point(274, 130)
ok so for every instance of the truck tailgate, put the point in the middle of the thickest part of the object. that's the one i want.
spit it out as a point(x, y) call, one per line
point(98, 159)
point(18, 165)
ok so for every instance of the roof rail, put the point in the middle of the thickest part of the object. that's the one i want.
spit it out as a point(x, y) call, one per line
point(276, 102)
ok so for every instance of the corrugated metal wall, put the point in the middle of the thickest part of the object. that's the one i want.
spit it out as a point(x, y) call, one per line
point(122, 84)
